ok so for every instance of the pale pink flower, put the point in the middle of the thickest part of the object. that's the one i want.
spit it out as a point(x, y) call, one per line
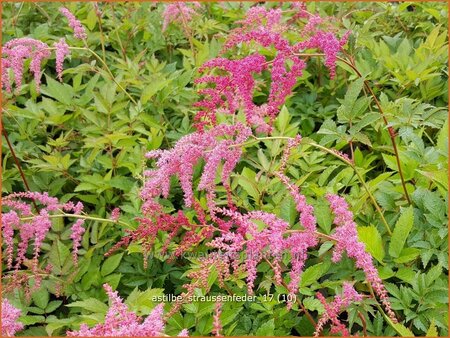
point(217, 325)
point(10, 316)
point(15, 52)
point(120, 321)
point(115, 214)
point(178, 12)
point(62, 50)
point(78, 29)
point(214, 146)
point(347, 240)
point(36, 228)
point(184, 333)
point(76, 236)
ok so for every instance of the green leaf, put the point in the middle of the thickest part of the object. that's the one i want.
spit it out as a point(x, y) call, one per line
point(372, 239)
point(323, 215)
point(59, 91)
point(404, 331)
point(266, 329)
point(263, 160)
point(110, 264)
point(432, 330)
point(288, 210)
point(313, 273)
point(407, 255)
point(41, 298)
point(31, 320)
point(401, 231)
point(228, 315)
point(433, 274)
point(90, 304)
point(247, 181)
point(58, 255)
point(52, 306)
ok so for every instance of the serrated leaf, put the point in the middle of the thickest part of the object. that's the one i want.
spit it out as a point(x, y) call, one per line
point(432, 330)
point(407, 255)
point(401, 231)
point(313, 273)
point(404, 331)
point(59, 91)
point(110, 264)
point(372, 239)
point(41, 298)
point(433, 274)
point(266, 329)
point(288, 210)
point(90, 304)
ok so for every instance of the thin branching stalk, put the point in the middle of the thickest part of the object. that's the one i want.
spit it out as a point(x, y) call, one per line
point(335, 154)
point(391, 131)
point(17, 162)
point(86, 217)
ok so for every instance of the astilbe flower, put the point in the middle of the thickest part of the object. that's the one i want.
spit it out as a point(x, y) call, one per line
point(332, 310)
point(35, 227)
point(78, 30)
point(231, 91)
point(9, 322)
point(301, 9)
point(115, 214)
point(15, 52)
point(212, 146)
point(235, 90)
point(217, 325)
point(329, 44)
point(178, 12)
point(62, 50)
point(347, 240)
point(298, 242)
point(120, 321)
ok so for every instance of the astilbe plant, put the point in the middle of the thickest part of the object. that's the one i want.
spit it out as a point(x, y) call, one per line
point(239, 240)
point(120, 321)
point(227, 230)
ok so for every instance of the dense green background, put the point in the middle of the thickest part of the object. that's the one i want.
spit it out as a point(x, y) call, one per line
point(84, 140)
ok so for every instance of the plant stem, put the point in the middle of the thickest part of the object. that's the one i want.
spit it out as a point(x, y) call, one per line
point(335, 154)
point(19, 167)
point(377, 103)
point(361, 179)
point(318, 234)
point(390, 129)
point(305, 310)
point(91, 218)
point(107, 69)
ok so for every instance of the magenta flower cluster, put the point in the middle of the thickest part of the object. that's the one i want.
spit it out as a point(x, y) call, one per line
point(120, 321)
point(333, 309)
point(347, 240)
point(260, 235)
point(10, 315)
point(233, 87)
point(213, 146)
point(15, 52)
